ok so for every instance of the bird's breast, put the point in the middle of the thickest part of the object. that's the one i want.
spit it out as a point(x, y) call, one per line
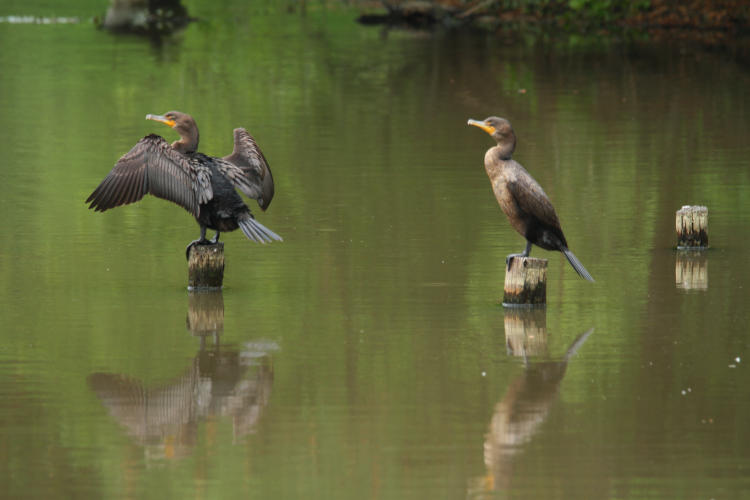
point(500, 175)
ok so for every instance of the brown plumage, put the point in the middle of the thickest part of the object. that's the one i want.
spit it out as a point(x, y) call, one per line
point(203, 185)
point(521, 197)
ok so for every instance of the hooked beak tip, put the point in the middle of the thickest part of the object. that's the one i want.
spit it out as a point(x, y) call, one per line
point(162, 119)
point(487, 128)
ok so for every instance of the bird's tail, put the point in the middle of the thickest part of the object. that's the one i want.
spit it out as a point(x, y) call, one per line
point(582, 272)
point(256, 231)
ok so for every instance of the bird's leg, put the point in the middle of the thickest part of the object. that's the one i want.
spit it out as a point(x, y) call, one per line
point(216, 238)
point(201, 241)
point(510, 257)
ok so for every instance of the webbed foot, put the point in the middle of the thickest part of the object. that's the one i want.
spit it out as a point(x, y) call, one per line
point(202, 241)
point(509, 259)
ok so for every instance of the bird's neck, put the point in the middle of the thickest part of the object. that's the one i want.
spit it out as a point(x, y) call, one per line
point(187, 143)
point(504, 150)
point(493, 165)
point(500, 153)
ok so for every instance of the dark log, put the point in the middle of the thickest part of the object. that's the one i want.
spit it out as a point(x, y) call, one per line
point(145, 17)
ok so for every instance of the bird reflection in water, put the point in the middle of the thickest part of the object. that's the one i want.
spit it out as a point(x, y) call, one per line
point(518, 416)
point(221, 381)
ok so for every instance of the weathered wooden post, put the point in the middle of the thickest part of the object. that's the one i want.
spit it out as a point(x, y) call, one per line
point(526, 282)
point(206, 266)
point(526, 331)
point(691, 223)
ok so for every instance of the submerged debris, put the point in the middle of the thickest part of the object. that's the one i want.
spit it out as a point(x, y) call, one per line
point(145, 17)
point(413, 14)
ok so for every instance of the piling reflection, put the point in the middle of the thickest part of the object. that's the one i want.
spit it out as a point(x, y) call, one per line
point(205, 313)
point(691, 270)
point(221, 381)
point(526, 332)
point(518, 416)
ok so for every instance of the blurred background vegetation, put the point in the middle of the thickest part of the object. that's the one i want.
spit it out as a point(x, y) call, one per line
point(719, 14)
point(713, 22)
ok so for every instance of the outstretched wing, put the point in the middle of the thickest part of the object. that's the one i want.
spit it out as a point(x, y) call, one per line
point(251, 174)
point(154, 167)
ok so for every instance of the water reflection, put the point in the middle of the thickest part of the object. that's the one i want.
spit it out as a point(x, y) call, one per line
point(691, 270)
point(518, 416)
point(221, 381)
point(526, 332)
point(205, 313)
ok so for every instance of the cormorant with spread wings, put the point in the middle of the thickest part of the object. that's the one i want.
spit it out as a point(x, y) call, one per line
point(203, 185)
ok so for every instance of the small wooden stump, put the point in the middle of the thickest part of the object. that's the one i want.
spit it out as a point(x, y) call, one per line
point(526, 283)
point(205, 312)
point(691, 223)
point(691, 271)
point(526, 332)
point(206, 266)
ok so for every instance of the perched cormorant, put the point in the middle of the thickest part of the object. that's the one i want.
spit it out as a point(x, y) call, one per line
point(521, 197)
point(202, 185)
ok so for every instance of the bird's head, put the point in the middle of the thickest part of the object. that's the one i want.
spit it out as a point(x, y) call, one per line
point(500, 129)
point(184, 125)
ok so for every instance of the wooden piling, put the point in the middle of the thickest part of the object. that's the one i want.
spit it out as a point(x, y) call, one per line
point(206, 266)
point(526, 282)
point(691, 223)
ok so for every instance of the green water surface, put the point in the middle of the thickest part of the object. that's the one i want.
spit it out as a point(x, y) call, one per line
point(367, 355)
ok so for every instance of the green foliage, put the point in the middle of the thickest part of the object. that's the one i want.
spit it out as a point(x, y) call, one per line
point(586, 14)
point(607, 10)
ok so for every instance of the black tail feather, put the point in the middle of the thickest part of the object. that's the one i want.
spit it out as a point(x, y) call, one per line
point(256, 231)
point(582, 272)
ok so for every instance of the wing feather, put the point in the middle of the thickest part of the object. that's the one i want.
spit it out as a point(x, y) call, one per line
point(104, 190)
point(533, 201)
point(152, 166)
point(248, 169)
point(136, 188)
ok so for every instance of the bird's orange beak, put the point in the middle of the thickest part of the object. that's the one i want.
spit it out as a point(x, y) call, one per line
point(487, 128)
point(161, 118)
